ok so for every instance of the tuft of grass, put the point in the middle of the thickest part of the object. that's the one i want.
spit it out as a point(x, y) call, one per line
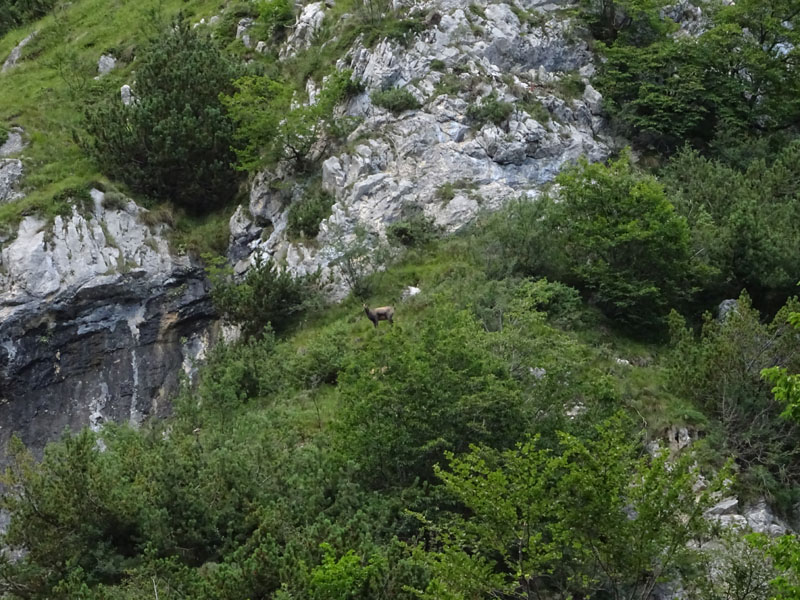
point(477, 10)
point(571, 86)
point(396, 100)
point(490, 110)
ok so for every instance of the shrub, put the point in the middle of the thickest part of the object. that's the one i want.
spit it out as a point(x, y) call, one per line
point(743, 221)
point(267, 297)
point(416, 392)
point(720, 372)
point(269, 130)
point(276, 15)
point(14, 13)
point(622, 240)
point(415, 229)
point(490, 110)
point(589, 518)
point(175, 141)
point(306, 215)
point(395, 100)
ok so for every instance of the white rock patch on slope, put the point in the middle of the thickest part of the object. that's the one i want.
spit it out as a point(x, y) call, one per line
point(400, 161)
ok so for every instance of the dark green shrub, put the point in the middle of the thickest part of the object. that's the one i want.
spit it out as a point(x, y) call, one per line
point(726, 82)
point(395, 100)
point(276, 15)
point(267, 297)
point(175, 141)
point(622, 241)
point(720, 372)
point(306, 214)
point(490, 110)
point(14, 13)
point(414, 230)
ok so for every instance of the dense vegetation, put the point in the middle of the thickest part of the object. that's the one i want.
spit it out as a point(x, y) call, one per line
point(173, 141)
point(492, 443)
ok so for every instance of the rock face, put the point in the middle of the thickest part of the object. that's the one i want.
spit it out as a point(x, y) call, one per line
point(16, 53)
point(308, 22)
point(97, 321)
point(398, 162)
point(106, 64)
point(10, 174)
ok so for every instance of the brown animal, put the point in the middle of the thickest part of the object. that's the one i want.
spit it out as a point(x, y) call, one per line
point(384, 313)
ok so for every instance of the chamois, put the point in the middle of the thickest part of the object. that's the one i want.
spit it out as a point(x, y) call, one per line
point(384, 313)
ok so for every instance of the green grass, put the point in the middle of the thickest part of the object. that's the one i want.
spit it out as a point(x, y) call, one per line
point(49, 89)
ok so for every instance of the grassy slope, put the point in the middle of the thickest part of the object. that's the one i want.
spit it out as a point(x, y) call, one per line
point(441, 272)
point(54, 81)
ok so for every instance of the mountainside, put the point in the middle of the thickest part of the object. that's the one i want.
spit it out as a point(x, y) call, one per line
point(580, 220)
point(95, 302)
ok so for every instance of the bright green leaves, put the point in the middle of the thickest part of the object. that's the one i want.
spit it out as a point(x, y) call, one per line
point(585, 516)
point(271, 128)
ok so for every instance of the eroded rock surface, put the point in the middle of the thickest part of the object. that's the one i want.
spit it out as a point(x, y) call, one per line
point(16, 53)
point(97, 321)
point(400, 161)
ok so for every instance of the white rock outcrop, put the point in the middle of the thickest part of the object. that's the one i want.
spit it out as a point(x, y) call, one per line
point(395, 162)
point(16, 53)
point(105, 64)
point(308, 23)
point(11, 172)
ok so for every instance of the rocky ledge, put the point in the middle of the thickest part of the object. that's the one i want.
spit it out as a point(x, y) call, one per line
point(98, 320)
point(398, 162)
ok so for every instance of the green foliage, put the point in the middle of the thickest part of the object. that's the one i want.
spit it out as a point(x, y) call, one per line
point(174, 141)
point(490, 110)
point(742, 221)
point(14, 13)
point(358, 257)
point(305, 215)
point(413, 394)
point(269, 130)
point(587, 518)
point(785, 554)
point(734, 79)
point(630, 21)
point(267, 297)
point(414, 230)
point(611, 231)
point(276, 15)
point(340, 579)
point(395, 100)
point(622, 240)
point(721, 374)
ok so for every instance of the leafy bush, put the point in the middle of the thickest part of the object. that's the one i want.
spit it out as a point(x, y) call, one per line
point(611, 232)
point(415, 229)
point(306, 214)
point(412, 394)
point(267, 297)
point(490, 110)
point(395, 100)
point(743, 221)
point(269, 130)
point(590, 518)
point(725, 82)
point(174, 142)
point(721, 373)
point(276, 15)
point(14, 13)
